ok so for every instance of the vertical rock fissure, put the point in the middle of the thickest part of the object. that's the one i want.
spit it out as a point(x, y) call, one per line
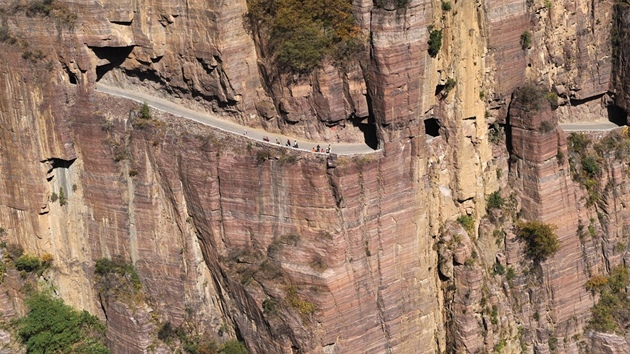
point(380, 303)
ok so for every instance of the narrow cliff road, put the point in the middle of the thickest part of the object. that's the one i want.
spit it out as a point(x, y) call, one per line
point(216, 122)
point(588, 126)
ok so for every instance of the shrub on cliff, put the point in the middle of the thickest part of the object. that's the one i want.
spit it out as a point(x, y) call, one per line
point(118, 276)
point(540, 239)
point(301, 33)
point(387, 4)
point(468, 223)
point(590, 166)
point(612, 311)
point(526, 40)
point(51, 326)
point(28, 263)
point(145, 111)
point(234, 347)
point(435, 42)
point(530, 97)
point(495, 201)
point(578, 142)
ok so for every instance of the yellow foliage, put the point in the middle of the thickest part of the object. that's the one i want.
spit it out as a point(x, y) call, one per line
point(305, 308)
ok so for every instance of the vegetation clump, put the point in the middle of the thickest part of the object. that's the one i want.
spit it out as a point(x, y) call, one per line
point(398, 4)
point(540, 238)
point(51, 326)
point(531, 97)
point(145, 111)
point(446, 6)
point(612, 311)
point(435, 42)
point(117, 277)
point(28, 263)
point(302, 33)
point(526, 40)
point(48, 8)
point(468, 223)
point(305, 308)
point(495, 201)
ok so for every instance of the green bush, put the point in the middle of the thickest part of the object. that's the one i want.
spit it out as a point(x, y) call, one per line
point(304, 51)
point(304, 32)
point(540, 238)
point(468, 223)
point(495, 201)
point(612, 311)
point(531, 97)
point(511, 273)
point(234, 347)
point(526, 40)
point(499, 269)
point(28, 263)
point(270, 306)
point(145, 111)
point(449, 85)
point(435, 42)
point(446, 6)
point(578, 142)
point(398, 4)
point(51, 326)
point(590, 166)
point(122, 273)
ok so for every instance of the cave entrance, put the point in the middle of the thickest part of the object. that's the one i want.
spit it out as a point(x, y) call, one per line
point(617, 115)
point(432, 128)
point(110, 58)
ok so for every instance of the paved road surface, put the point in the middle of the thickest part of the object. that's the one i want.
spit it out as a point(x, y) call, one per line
point(257, 134)
point(588, 126)
point(216, 122)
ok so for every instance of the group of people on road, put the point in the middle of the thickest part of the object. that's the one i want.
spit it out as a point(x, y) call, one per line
point(318, 149)
point(295, 145)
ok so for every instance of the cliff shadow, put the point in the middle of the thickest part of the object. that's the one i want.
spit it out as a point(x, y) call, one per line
point(368, 128)
point(617, 115)
point(110, 58)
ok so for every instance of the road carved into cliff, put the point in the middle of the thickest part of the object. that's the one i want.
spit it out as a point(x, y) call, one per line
point(217, 122)
point(588, 126)
point(214, 121)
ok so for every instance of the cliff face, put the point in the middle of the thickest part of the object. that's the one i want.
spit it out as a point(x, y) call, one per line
point(295, 252)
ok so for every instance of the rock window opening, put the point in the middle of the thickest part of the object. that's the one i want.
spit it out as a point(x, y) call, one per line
point(617, 115)
point(432, 127)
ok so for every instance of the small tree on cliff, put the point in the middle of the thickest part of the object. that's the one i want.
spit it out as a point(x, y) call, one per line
point(540, 238)
point(145, 111)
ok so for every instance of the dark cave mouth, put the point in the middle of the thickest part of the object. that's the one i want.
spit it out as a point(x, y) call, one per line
point(432, 127)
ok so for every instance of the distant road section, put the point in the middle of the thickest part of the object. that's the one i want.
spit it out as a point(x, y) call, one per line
point(588, 126)
point(167, 106)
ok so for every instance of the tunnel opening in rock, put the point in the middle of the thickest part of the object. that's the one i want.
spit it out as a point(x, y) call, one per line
point(617, 115)
point(110, 58)
point(368, 128)
point(432, 127)
point(72, 78)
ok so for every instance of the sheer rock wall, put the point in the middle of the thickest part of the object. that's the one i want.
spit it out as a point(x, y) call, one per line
point(217, 226)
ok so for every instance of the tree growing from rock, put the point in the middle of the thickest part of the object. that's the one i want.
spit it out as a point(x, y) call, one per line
point(540, 239)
